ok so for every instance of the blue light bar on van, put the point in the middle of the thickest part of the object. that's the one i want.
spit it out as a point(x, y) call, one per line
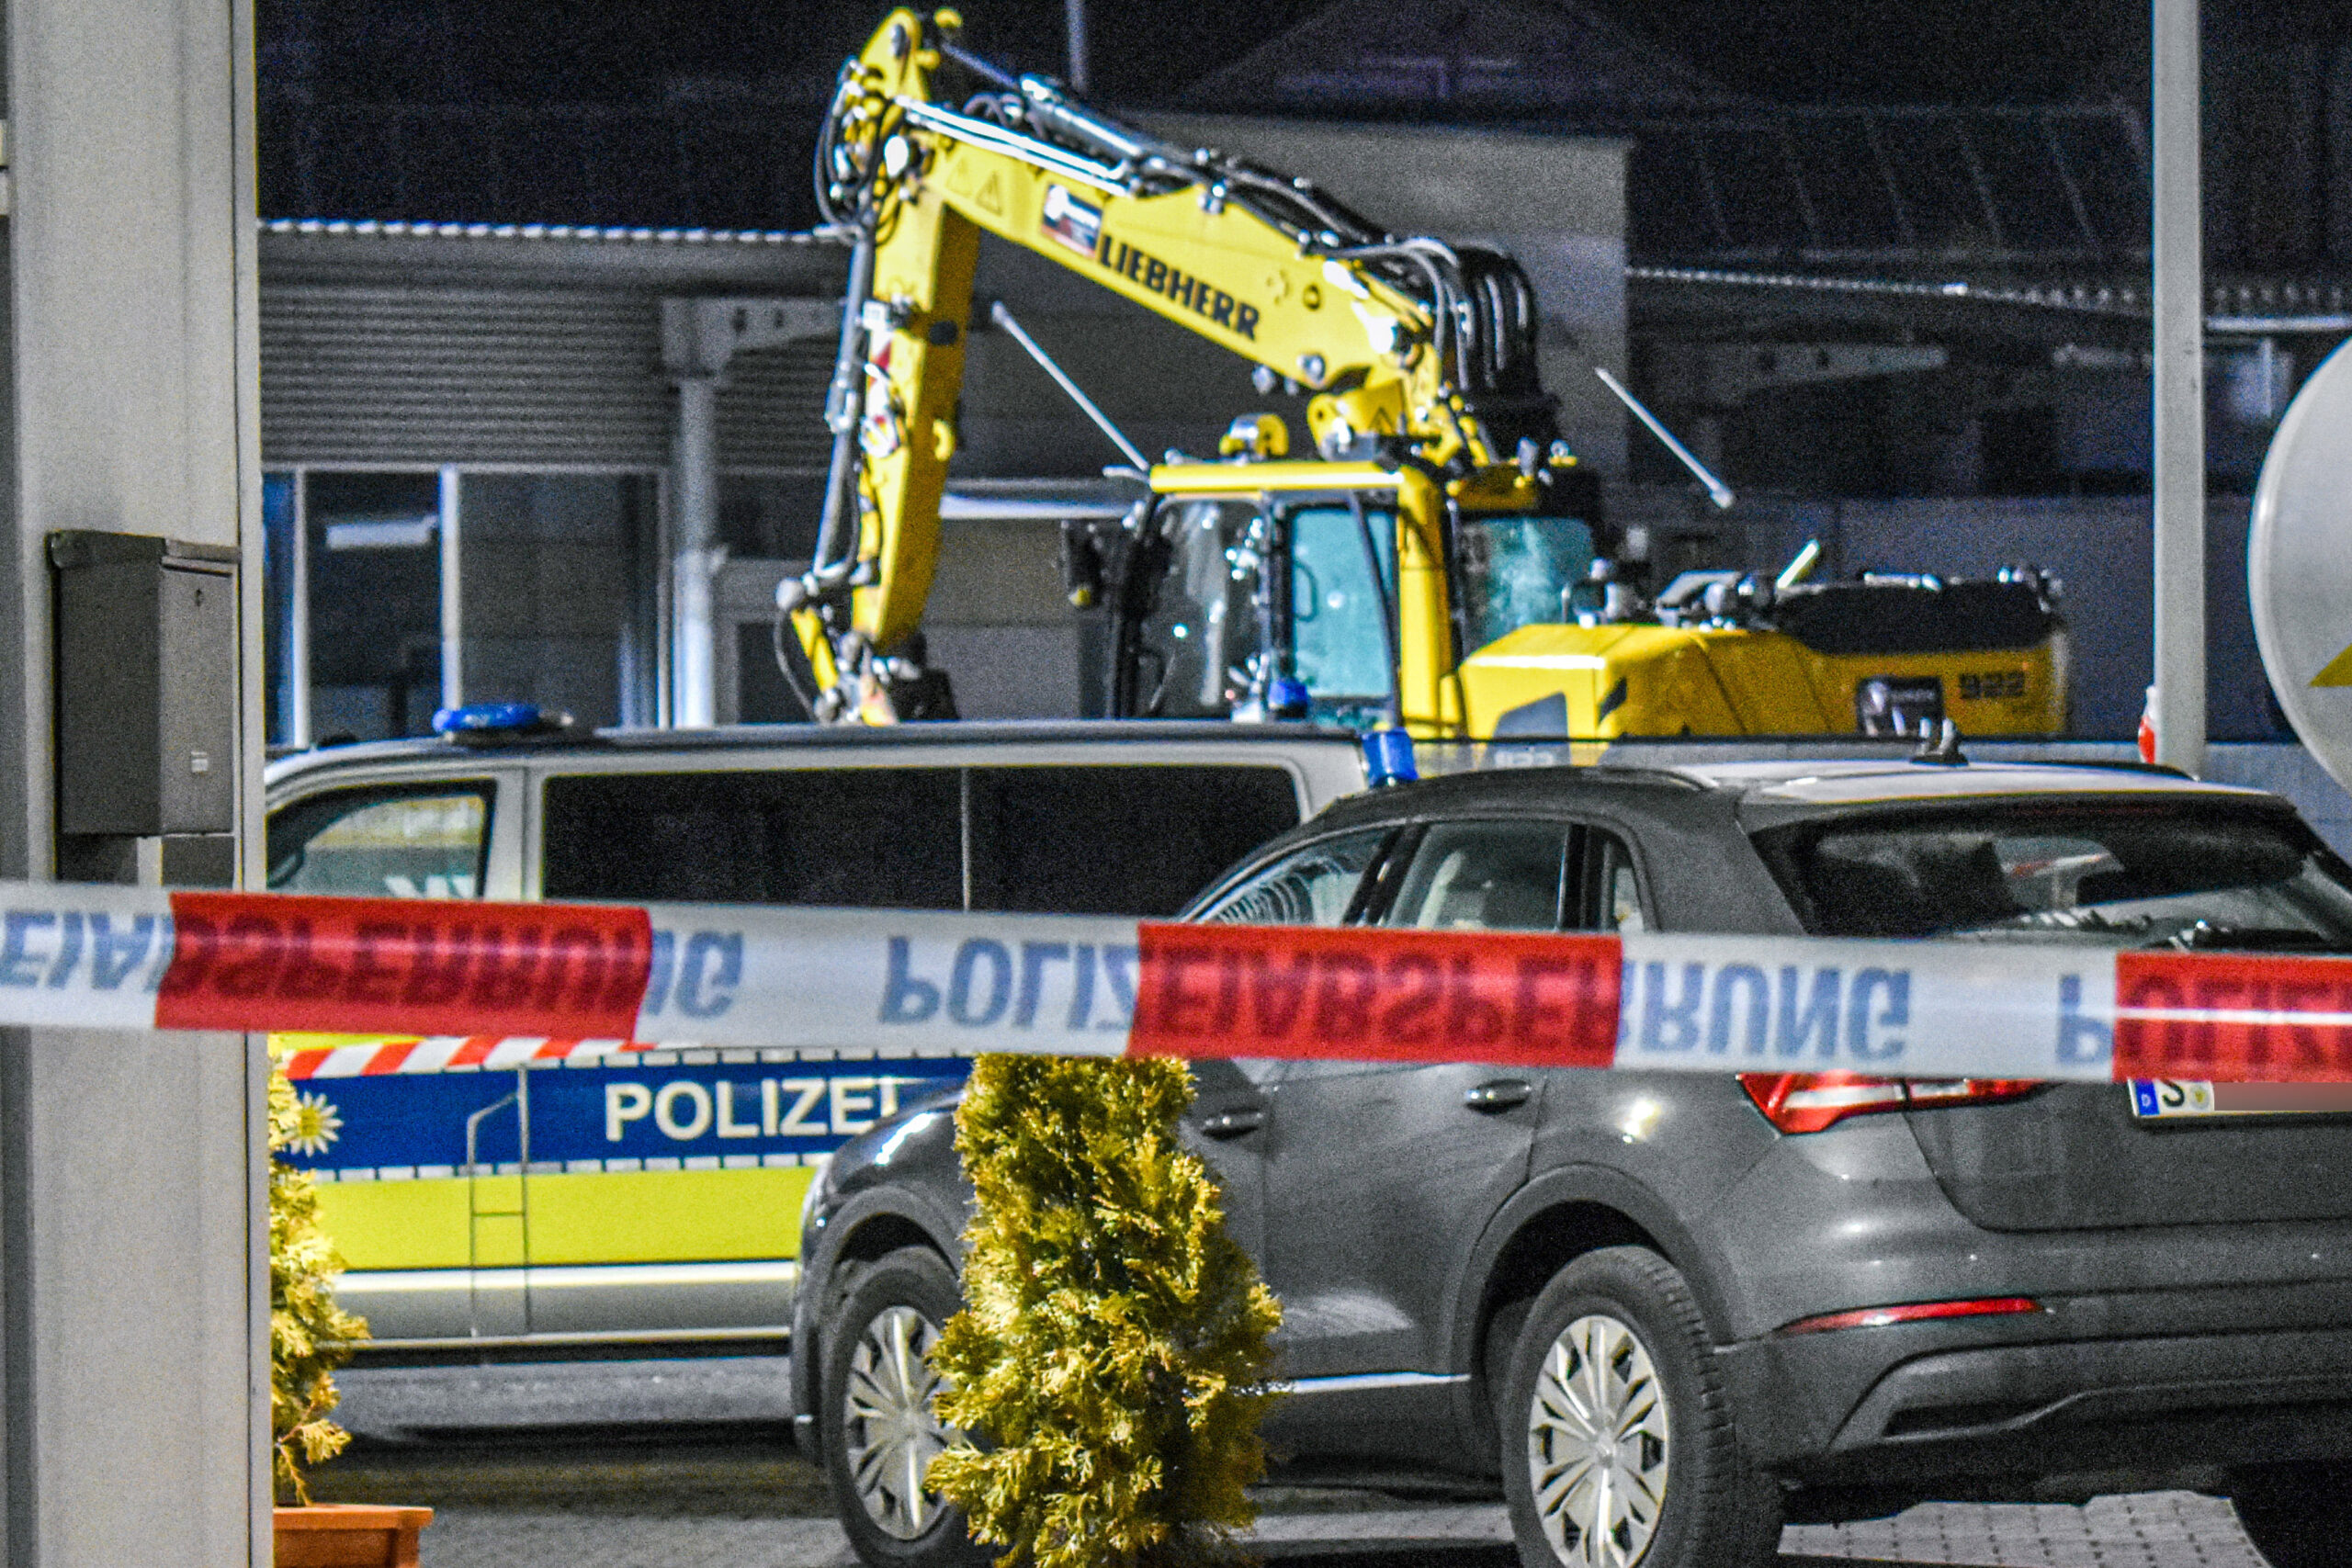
point(488, 718)
point(1388, 757)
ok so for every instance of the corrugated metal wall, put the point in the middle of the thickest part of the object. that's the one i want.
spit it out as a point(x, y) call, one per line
point(426, 375)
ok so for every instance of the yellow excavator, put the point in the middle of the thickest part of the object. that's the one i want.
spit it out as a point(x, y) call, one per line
point(1439, 563)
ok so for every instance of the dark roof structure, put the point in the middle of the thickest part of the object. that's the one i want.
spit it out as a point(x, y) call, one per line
point(1518, 57)
point(1719, 178)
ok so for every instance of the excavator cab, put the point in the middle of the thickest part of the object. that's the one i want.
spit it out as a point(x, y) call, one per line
point(1273, 590)
point(1228, 621)
point(1229, 625)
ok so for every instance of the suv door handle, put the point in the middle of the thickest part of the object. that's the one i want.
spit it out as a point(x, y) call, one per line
point(1232, 1124)
point(1498, 1094)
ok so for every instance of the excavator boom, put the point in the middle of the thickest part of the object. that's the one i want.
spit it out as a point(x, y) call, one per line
point(1413, 348)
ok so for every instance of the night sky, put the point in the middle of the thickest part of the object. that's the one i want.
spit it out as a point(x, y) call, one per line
point(615, 51)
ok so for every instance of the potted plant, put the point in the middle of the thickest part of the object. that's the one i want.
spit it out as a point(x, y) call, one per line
point(310, 1336)
point(1115, 1353)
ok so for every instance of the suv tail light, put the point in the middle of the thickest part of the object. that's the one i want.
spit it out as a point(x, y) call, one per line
point(1807, 1102)
point(1916, 1312)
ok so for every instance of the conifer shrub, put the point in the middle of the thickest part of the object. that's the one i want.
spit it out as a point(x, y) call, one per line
point(310, 1336)
point(1114, 1357)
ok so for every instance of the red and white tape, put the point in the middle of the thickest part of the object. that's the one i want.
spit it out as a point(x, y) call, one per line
point(497, 983)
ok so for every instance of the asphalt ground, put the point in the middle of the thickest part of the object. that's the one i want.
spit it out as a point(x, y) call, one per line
point(738, 1498)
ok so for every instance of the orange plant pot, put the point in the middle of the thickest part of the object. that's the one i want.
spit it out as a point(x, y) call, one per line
point(348, 1535)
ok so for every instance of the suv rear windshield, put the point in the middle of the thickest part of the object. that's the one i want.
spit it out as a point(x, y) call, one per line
point(2124, 875)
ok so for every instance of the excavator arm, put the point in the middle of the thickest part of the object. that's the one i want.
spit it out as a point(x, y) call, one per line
point(1420, 355)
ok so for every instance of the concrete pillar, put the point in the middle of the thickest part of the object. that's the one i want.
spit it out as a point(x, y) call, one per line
point(695, 562)
point(2179, 696)
point(698, 337)
point(133, 1246)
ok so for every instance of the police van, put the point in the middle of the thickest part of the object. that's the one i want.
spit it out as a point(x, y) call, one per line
point(495, 1191)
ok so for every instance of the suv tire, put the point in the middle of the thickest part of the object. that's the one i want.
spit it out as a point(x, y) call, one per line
point(2298, 1516)
point(876, 1426)
point(1619, 1447)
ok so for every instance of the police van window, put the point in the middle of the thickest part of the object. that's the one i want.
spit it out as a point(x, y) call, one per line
point(1501, 876)
point(1139, 839)
point(397, 843)
point(1613, 891)
point(876, 838)
point(1313, 886)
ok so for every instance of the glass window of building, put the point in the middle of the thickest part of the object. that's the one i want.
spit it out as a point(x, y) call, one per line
point(558, 573)
point(373, 552)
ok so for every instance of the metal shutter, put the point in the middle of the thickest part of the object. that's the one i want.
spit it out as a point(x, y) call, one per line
point(526, 376)
point(426, 375)
point(772, 408)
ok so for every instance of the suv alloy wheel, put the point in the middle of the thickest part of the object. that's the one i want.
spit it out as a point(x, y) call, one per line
point(881, 1432)
point(1618, 1444)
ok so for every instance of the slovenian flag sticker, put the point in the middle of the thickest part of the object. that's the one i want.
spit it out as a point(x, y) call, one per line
point(1075, 223)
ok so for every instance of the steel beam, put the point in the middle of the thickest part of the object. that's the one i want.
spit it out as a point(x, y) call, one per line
point(695, 562)
point(2177, 701)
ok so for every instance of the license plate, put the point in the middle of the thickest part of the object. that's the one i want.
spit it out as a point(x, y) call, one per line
point(2163, 1100)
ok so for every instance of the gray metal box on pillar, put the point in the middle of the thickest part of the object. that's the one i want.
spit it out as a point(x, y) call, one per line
point(146, 641)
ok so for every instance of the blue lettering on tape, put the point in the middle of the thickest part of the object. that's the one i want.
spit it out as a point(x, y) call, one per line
point(1819, 1018)
point(1867, 985)
point(1679, 1020)
point(987, 984)
point(1119, 965)
point(18, 966)
point(905, 998)
point(1740, 980)
point(662, 970)
point(708, 973)
point(114, 954)
point(1081, 988)
point(1667, 1009)
point(1034, 956)
point(69, 950)
point(968, 959)
point(2082, 1042)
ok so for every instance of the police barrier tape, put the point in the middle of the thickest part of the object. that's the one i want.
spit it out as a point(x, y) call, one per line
point(497, 984)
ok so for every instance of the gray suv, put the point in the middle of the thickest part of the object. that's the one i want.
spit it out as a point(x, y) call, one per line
point(1669, 1313)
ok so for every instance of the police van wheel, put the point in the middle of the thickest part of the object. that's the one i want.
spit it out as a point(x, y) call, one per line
point(880, 1431)
point(1618, 1444)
